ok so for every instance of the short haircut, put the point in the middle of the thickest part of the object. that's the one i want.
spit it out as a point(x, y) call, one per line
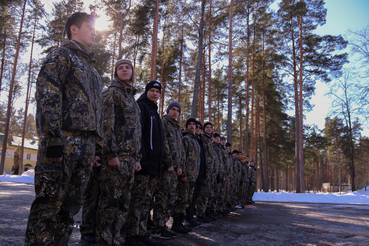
point(77, 19)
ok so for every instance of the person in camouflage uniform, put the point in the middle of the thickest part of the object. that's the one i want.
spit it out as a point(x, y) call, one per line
point(145, 181)
point(189, 175)
point(200, 180)
point(122, 130)
point(237, 176)
point(207, 192)
point(220, 178)
point(69, 125)
point(165, 194)
point(245, 179)
point(253, 180)
point(228, 172)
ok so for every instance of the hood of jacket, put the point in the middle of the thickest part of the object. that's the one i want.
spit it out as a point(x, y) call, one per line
point(80, 49)
point(129, 89)
point(144, 98)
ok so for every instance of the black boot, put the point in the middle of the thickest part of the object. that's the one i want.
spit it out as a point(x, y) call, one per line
point(178, 226)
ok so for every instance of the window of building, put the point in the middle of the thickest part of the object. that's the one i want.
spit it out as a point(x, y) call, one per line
point(28, 157)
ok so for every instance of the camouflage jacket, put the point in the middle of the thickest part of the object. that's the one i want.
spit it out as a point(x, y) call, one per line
point(122, 125)
point(218, 150)
point(237, 170)
point(68, 94)
point(253, 175)
point(173, 146)
point(212, 162)
point(192, 156)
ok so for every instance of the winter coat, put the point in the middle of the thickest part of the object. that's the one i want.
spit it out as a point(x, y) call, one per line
point(173, 146)
point(192, 155)
point(152, 143)
point(202, 170)
point(68, 95)
point(212, 161)
point(122, 125)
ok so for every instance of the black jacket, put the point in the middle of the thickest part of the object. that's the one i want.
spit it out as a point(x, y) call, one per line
point(202, 172)
point(152, 147)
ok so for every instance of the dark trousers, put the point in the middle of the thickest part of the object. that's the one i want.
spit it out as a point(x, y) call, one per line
point(190, 211)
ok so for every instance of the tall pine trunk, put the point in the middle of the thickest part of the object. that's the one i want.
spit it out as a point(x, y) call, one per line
point(11, 88)
point(154, 50)
point(198, 63)
point(29, 87)
point(209, 60)
point(301, 114)
point(230, 71)
point(3, 60)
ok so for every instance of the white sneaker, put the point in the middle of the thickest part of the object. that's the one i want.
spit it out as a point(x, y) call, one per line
point(238, 206)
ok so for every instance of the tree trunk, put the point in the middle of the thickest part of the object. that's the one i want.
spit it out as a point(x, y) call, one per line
point(265, 119)
point(180, 69)
point(209, 58)
point(301, 114)
point(230, 71)
point(11, 87)
point(3, 60)
point(154, 50)
point(29, 87)
point(297, 125)
point(198, 64)
point(252, 147)
point(247, 87)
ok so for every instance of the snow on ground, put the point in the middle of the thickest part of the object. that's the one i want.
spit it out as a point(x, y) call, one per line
point(356, 197)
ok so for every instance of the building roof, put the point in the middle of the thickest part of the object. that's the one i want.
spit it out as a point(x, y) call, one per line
point(28, 143)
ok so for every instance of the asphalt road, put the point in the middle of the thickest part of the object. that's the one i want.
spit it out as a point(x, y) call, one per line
point(264, 223)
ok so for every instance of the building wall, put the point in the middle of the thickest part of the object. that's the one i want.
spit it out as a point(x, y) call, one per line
point(27, 153)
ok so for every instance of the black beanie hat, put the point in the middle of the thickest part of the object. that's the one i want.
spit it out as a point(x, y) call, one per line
point(174, 104)
point(235, 151)
point(191, 120)
point(215, 134)
point(199, 123)
point(222, 138)
point(228, 144)
point(207, 123)
point(153, 84)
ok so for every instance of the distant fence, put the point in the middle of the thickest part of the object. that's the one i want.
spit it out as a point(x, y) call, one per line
point(327, 187)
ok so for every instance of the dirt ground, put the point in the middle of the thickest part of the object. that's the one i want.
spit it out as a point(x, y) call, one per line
point(264, 223)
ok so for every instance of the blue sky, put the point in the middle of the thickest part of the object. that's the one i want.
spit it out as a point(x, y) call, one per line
point(342, 15)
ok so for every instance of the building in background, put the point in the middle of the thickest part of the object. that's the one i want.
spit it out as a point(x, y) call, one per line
point(29, 152)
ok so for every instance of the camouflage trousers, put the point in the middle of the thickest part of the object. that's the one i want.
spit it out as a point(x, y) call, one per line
point(164, 199)
point(213, 201)
point(59, 188)
point(114, 201)
point(221, 195)
point(182, 201)
point(90, 203)
point(206, 194)
point(251, 191)
point(141, 196)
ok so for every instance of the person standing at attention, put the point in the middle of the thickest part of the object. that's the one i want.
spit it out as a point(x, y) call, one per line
point(69, 125)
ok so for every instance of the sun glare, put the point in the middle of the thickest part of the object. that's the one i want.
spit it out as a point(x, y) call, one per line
point(101, 22)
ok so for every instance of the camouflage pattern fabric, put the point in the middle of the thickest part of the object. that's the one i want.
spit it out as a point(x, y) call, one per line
point(165, 193)
point(218, 193)
point(122, 129)
point(192, 156)
point(141, 196)
point(207, 191)
point(69, 124)
point(90, 202)
point(59, 188)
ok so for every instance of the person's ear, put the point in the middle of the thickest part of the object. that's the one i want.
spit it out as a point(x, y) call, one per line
point(74, 29)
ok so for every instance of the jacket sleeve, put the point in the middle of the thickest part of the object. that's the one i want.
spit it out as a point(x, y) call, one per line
point(49, 96)
point(169, 151)
point(144, 120)
point(111, 149)
point(185, 171)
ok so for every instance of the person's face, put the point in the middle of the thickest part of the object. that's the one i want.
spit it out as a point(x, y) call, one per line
point(217, 140)
point(223, 142)
point(85, 34)
point(174, 112)
point(228, 149)
point(208, 129)
point(124, 72)
point(191, 127)
point(235, 155)
point(198, 129)
point(153, 94)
